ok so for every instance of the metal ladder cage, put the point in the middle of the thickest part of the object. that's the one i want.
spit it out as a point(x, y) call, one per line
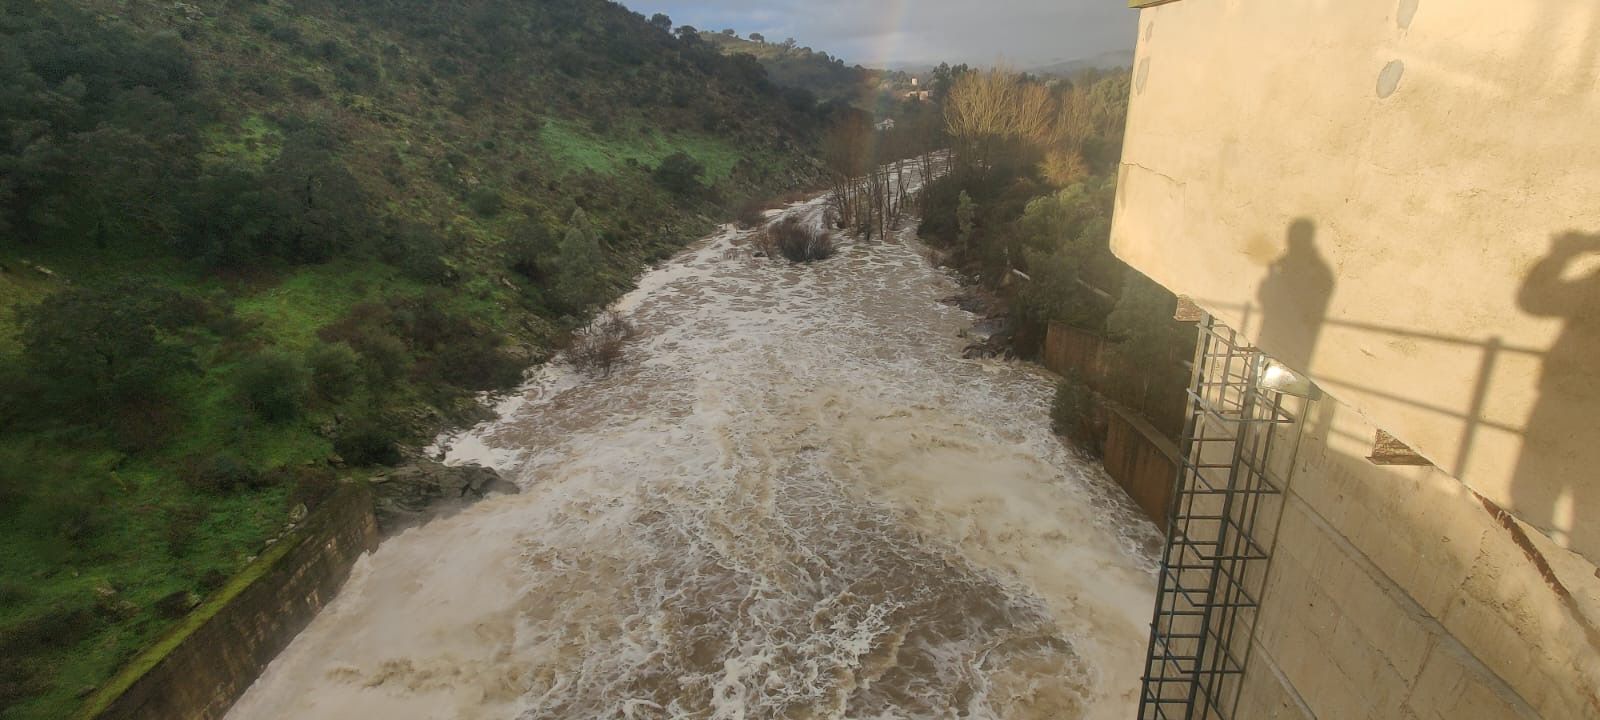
point(1223, 512)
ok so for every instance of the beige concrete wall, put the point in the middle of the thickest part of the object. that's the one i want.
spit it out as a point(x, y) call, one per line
point(1394, 593)
point(1397, 196)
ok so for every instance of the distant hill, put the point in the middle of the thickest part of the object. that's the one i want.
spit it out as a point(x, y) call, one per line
point(1103, 61)
point(793, 66)
point(248, 247)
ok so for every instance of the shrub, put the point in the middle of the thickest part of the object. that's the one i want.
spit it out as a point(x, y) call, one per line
point(680, 174)
point(796, 241)
point(75, 512)
point(383, 357)
point(418, 251)
point(475, 361)
point(599, 347)
point(486, 202)
point(305, 87)
point(273, 384)
point(146, 423)
point(752, 214)
point(183, 528)
point(310, 486)
point(1056, 294)
point(531, 249)
point(335, 369)
point(22, 674)
point(221, 472)
point(368, 441)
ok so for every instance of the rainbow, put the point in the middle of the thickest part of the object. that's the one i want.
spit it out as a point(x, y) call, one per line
point(891, 24)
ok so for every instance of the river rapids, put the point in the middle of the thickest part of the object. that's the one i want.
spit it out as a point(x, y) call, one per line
point(794, 499)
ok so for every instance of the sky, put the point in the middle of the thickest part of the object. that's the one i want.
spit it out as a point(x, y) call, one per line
point(1023, 33)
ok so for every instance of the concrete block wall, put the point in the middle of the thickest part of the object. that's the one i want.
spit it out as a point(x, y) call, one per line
point(200, 671)
point(1397, 592)
point(1142, 461)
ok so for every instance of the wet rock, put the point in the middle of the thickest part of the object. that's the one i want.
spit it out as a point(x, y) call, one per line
point(987, 349)
point(971, 302)
point(993, 341)
point(423, 489)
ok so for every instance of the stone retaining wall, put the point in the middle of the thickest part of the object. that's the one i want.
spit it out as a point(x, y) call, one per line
point(197, 671)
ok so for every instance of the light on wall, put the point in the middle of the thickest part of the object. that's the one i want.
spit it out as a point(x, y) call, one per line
point(1273, 375)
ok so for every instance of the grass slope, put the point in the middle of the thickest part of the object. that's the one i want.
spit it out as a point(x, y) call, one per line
point(472, 120)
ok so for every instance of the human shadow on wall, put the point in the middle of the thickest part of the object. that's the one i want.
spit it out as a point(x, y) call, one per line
point(1561, 441)
point(1294, 299)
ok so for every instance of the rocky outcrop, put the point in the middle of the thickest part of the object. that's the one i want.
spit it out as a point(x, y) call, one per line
point(424, 489)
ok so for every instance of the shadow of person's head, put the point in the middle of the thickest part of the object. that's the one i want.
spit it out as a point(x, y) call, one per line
point(1302, 238)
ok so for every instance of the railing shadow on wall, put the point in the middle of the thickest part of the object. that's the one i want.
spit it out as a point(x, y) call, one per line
point(1490, 351)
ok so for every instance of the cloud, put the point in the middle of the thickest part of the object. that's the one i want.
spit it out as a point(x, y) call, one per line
point(1023, 32)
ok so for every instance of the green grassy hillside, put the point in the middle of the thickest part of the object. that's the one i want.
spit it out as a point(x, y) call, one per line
point(246, 247)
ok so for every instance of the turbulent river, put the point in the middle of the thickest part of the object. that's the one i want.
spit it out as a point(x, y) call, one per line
point(794, 499)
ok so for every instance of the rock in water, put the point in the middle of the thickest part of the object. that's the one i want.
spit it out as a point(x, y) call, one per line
point(424, 489)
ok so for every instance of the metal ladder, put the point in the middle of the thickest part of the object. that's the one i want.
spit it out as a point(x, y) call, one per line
point(1225, 505)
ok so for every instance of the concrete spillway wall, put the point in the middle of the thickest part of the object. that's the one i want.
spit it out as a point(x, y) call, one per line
point(1139, 455)
point(197, 671)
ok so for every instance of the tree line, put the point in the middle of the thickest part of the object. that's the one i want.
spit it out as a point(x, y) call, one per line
point(1026, 207)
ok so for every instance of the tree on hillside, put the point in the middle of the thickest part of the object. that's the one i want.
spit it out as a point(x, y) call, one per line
point(322, 208)
point(730, 32)
point(97, 119)
point(1143, 335)
point(966, 215)
point(995, 115)
point(580, 260)
point(661, 22)
point(758, 38)
point(100, 352)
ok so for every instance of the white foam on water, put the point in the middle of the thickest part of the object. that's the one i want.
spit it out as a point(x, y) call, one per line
point(794, 499)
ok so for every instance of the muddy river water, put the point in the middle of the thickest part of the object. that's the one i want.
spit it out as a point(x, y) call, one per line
point(794, 499)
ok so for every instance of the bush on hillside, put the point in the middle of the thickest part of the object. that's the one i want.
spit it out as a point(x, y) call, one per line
point(680, 174)
point(310, 486)
point(531, 250)
point(336, 371)
point(183, 528)
point(419, 252)
point(368, 441)
point(475, 362)
point(273, 384)
point(221, 472)
point(486, 202)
